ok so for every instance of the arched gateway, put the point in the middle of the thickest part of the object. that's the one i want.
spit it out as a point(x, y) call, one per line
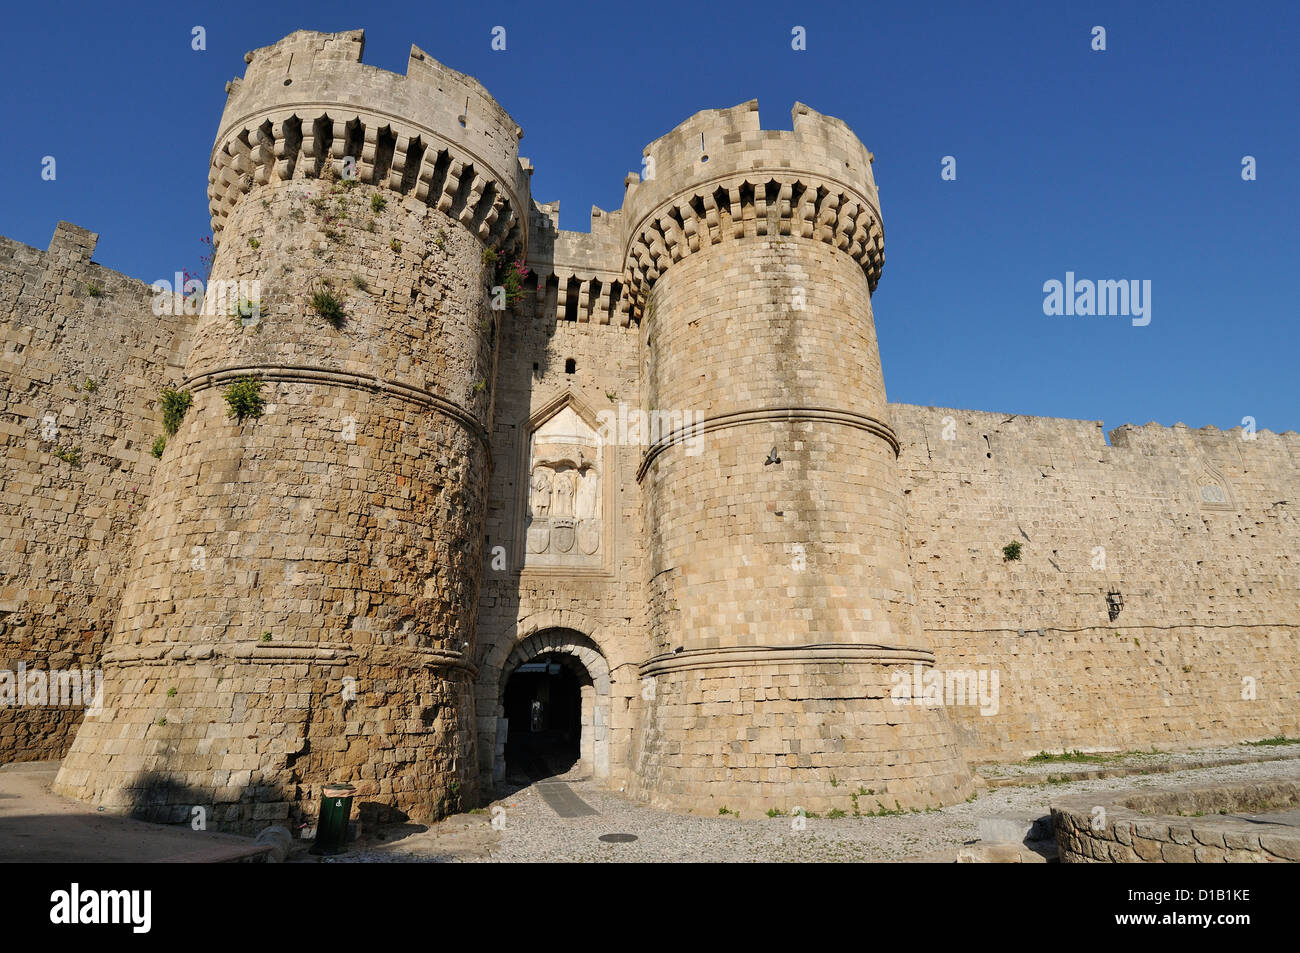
point(549, 708)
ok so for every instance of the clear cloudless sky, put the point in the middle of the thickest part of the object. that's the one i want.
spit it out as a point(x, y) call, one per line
point(1119, 164)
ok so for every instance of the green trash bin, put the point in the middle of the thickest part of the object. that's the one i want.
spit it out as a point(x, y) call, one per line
point(332, 826)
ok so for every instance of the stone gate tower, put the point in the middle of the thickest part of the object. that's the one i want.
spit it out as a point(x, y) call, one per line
point(360, 582)
point(302, 598)
point(780, 599)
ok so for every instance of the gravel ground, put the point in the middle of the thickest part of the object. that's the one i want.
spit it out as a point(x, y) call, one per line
point(534, 832)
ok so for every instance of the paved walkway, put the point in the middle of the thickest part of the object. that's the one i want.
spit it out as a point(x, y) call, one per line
point(533, 824)
point(38, 826)
point(570, 818)
point(559, 797)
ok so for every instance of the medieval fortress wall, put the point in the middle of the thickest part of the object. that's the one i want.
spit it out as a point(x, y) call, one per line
point(438, 490)
point(302, 595)
point(1195, 530)
point(771, 662)
point(83, 362)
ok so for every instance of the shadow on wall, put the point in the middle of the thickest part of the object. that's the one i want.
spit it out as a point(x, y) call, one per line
point(161, 798)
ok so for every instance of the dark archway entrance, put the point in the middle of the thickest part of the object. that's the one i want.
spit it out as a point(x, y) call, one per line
point(536, 657)
point(543, 710)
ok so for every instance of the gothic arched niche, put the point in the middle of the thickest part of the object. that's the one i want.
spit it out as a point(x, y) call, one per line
point(564, 512)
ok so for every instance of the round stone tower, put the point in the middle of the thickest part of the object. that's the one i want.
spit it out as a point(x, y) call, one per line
point(781, 602)
point(302, 599)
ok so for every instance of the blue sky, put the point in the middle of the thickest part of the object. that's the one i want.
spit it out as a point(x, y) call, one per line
point(1122, 164)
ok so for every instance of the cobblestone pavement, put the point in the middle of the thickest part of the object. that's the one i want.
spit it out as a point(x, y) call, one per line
point(531, 830)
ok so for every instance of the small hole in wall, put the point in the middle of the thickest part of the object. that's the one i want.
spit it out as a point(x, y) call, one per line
point(535, 368)
point(288, 82)
point(570, 366)
point(704, 158)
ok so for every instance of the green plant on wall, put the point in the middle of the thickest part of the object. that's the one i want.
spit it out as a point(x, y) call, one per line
point(244, 398)
point(325, 303)
point(1011, 551)
point(159, 446)
point(378, 203)
point(69, 455)
point(174, 405)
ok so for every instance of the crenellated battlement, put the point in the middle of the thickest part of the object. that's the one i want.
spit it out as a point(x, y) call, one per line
point(434, 133)
point(720, 176)
point(716, 177)
point(1001, 434)
point(437, 134)
point(578, 274)
point(1153, 434)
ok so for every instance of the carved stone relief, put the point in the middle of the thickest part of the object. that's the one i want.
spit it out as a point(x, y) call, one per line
point(564, 518)
point(1213, 489)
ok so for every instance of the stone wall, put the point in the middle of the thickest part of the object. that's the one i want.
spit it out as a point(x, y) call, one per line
point(84, 360)
point(1197, 533)
point(777, 581)
point(302, 601)
point(339, 589)
point(1180, 825)
point(602, 603)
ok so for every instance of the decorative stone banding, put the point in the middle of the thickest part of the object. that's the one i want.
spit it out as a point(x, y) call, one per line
point(297, 374)
point(337, 653)
point(741, 418)
point(843, 653)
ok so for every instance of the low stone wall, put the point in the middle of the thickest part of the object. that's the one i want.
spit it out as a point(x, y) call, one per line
point(1179, 825)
